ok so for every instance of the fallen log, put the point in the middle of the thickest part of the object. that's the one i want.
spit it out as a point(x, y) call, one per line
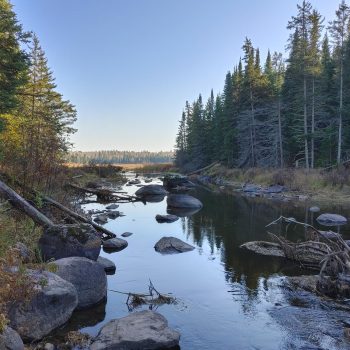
point(105, 194)
point(78, 217)
point(20, 203)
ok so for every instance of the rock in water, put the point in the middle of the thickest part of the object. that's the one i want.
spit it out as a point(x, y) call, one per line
point(10, 340)
point(112, 206)
point(166, 218)
point(126, 234)
point(314, 209)
point(183, 201)
point(87, 276)
point(331, 219)
point(114, 244)
point(101, 219)
point(151, 190)
point(49, 307)
point(108, 265)
point(139, 330)
point(62, 241)
point(172, 245)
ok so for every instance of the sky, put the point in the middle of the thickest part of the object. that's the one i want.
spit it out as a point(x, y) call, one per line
point(130, 65)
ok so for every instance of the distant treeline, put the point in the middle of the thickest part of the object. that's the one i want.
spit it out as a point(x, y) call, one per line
point(115, 157)
point(292, 111)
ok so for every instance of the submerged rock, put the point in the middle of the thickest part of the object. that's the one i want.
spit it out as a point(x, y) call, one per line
point(114, 244)
point(151, 190)
point(87, 276)
point(108, 265)
point(183, 201)
point(51, 305)
point(166, 218)
point(10, 340)
point(172, 245)
point(112, 206)
point(62, 241)
point(139, 330)
point(264, 248)
point(331, 219)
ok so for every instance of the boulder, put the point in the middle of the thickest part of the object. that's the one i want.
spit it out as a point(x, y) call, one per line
point(151, 190)
point(10, 340)
point(139, 330)
point(331, 219)
point(156, 198)
point(171, 181)
point(87, 276)
point(62, 241)
point(114, 244)
point(314, 209)
point(50, 306)
point(183, 201)
point(112, 206)
point(172, 245)
point(108, 265)
point(166, 218)
point(126, 234)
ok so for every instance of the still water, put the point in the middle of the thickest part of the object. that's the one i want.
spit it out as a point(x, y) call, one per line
point(226, 296)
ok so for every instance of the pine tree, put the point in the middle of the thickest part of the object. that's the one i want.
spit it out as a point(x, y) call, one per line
point(13, 59)
point(340, 33)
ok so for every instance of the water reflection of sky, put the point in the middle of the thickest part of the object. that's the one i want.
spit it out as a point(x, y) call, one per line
point(224, 292)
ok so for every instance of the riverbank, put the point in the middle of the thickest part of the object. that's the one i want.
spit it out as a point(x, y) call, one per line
point(315, 186)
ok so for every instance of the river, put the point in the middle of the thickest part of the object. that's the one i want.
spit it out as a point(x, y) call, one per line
point(227, 297)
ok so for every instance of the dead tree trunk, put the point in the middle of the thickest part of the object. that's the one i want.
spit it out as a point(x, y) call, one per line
point(79, 217)
point(17, 201)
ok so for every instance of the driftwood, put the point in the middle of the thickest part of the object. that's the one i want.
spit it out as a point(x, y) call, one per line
point(153, 298)
point(105, 194)
point(78, 217)
point(20, 203)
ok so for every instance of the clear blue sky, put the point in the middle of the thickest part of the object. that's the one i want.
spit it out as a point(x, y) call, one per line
point(130, 65)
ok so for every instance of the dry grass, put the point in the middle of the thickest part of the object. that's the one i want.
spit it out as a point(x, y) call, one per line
point(331, 185)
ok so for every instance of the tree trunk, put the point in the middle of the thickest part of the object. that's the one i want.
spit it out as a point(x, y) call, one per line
point(305, 128)
point(340, 126)
point(313, 125)
point(280, 132)
point(79, 217)
point(20, 203)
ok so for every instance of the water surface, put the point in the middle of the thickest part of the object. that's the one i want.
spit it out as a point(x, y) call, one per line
point(226, 295)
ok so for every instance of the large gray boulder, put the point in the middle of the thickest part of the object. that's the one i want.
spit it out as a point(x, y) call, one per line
point(172, 245)
point(10, 340)
point(114, 244)
point(331, 219)
point(139, 330)
point(183, 201)
point(64, 241)
point(151, 190)
point(87, 276)
point(50, 306)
